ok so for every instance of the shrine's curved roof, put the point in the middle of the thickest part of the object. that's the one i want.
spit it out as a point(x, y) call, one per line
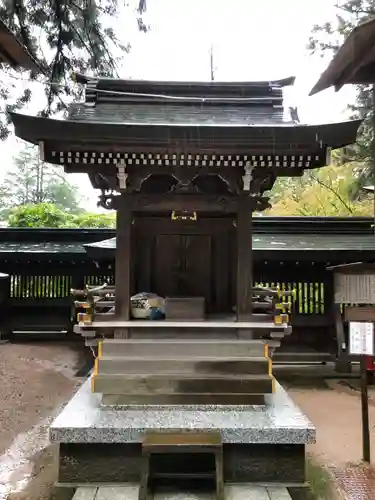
point(217, 117)
point(199, 126)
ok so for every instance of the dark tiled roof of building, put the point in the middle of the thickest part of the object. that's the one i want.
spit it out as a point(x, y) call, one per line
point(354, 62)
point(178, 114)
point(226, 116)
point(41, 247)
point(181, 103)
point(12, 51)
point(264, 242)
point(290, 242)
point(312, 234)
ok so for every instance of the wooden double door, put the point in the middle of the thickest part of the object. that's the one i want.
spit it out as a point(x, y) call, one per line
point(186, 258)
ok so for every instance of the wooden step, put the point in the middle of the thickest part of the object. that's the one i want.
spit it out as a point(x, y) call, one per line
point(177, 442)
point(266, 335)
point(182, 399)
point(185, 384)
point(161, 348)
point(184, 444)
point(259, 321)
point(110, 365)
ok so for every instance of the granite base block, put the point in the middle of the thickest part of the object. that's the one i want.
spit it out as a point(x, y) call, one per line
point(261, 443)
point(279, 421)
point(120, 400)
point(114, 463)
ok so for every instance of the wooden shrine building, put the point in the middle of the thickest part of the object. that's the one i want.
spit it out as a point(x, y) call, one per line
point(184, 165)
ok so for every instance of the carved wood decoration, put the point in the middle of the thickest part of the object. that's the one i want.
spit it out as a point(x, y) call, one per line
point(104, 180)
point(216, 181)
point(201, 188)
point(262, 180)
point(108, 199)
point(140, 202)
point(259, 203)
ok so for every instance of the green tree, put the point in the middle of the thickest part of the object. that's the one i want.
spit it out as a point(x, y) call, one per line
point(48, 215)
point(38, 215)
point(64, 36)
point(87, 220)
point(33, 181)
point(326, 39)
point(321, 192)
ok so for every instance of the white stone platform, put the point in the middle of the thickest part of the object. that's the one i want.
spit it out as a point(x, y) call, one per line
point(232, 492)
point(83, 420)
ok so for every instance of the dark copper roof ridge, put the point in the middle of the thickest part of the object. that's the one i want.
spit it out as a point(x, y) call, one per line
point(85, 79)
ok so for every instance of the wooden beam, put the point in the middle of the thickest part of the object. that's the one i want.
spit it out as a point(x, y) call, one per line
point(123, 260)
point(188, 202)
point(244, 259)
point(364, 313)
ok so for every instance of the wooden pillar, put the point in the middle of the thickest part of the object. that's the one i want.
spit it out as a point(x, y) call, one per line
point(244, 260)
point(342, 364)
point(123, 263)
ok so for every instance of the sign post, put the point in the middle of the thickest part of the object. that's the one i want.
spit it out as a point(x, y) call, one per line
point(361, 342)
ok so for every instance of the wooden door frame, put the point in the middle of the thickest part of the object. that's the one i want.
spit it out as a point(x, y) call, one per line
point(147, 228)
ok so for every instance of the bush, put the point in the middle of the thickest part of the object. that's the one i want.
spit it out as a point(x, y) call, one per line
point(48, 215)
point(38, 215)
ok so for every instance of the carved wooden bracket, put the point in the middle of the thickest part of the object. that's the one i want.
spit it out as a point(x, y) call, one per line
point(187, 180)
point(262, 180)
point(260, 203)
point(108, 199)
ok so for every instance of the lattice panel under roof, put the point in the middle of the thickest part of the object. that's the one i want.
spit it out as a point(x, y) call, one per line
point(188, 160)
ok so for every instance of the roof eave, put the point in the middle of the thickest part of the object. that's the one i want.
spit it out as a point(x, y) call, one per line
point(349, 58)
point(35, 129)
point(15, 53)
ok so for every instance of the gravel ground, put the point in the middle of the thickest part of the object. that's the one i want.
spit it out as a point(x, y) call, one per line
point(37, 379)
point(336, 413)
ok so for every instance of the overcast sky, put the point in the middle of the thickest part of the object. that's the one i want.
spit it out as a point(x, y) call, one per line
point(252, 40)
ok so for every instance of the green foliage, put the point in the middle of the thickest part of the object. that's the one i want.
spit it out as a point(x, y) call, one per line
point(33, 181)
point(320, 480)
point(49, 215)
point(322, 192)
point(38, 215)
point(326, 39)
point(88, 220)
point(64, 36)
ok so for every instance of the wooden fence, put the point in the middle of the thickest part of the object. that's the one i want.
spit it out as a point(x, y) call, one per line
point(43, 265)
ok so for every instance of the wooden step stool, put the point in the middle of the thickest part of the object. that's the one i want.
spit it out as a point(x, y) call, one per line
point(183, 442)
